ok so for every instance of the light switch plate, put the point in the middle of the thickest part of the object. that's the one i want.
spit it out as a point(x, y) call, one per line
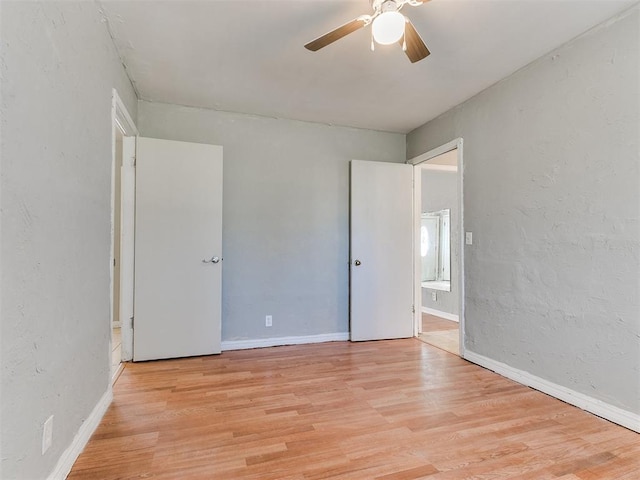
point(468, 238)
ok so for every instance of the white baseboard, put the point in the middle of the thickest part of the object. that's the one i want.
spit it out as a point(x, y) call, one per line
point(70, 455)
point(602, 409)
point(438, 313)
point(279, 341)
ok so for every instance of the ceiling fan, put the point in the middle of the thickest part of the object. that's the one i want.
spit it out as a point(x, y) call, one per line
point(388, 26)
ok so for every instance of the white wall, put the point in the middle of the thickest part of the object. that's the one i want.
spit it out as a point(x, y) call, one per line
point(58, 68)
point(551, 195)
point(286, 214)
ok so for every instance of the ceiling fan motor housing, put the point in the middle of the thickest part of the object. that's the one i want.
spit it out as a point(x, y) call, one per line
point(385, 5)
point(381, 6)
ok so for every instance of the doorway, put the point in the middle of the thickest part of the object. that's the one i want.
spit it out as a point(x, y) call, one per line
point(438, 252)
point(123, 135)
point(116, 324)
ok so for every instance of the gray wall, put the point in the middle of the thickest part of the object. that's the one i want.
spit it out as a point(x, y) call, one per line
point(551, 195)
point(58, 67)
point(286, 214)
point(439, 192)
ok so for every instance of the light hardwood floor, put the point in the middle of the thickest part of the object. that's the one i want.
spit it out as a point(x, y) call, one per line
point(389, 410)
point(440, 333)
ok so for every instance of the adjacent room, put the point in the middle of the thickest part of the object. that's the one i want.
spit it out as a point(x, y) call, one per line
point(311, 239)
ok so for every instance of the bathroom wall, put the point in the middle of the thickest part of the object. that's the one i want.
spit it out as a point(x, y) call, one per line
point(439, 192)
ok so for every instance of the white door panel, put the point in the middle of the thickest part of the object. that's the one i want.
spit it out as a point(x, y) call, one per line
point(178, 225)
point(381, 294)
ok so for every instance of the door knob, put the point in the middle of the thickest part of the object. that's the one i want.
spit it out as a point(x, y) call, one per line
point(357, 263)
point(213, 260)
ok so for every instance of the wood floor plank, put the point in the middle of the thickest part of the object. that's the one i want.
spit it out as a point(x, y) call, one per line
point(387, 410)
point(440, 333)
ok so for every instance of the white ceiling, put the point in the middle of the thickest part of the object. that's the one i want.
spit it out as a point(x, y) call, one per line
point(248, 56)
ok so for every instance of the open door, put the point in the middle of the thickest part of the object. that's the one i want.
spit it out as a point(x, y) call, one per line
point(178, 249)
point(381, 293)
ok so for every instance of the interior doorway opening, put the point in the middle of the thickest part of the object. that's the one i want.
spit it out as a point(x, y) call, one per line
point(122, 211)
point(116, 324)
point(439, 253)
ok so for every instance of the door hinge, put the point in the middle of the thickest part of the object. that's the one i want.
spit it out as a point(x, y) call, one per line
point(413, 309)
point(132, 321)
point(132, 160)
point(114, 262)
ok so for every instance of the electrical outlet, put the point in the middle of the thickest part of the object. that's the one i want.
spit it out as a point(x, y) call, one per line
point(47, 434)
point(434, 296)
point(268, 321)
point(468, 238)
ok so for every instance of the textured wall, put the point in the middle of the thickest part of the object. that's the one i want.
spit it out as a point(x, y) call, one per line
point(440, 191)
point(58, 68)
point(551, 195)
point(286, 214)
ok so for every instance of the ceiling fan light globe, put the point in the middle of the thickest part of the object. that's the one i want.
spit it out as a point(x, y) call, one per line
point(388, 27)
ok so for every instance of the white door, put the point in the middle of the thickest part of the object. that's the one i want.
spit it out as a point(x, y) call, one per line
point(178, 249)
point(381, 293)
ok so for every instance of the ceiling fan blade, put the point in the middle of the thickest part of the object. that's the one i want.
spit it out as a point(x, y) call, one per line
point(337, 34)
point(416, 50)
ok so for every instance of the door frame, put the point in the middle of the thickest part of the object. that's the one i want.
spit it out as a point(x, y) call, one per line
point(120, 121)
point(418, 163)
